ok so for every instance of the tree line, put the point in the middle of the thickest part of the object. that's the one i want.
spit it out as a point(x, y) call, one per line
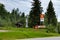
point(50, 20)
point(10, 18)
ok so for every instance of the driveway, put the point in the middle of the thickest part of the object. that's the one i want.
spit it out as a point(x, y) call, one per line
point(47, 38)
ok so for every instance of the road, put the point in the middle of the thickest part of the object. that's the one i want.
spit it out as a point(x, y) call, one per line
point(48, 38)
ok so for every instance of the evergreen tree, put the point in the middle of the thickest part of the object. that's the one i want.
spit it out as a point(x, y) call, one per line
point(3, 15)
point(50, 15)
point(23, 14)
point(34, 16)
point(3, 11)
point(15, 16)
point(23, 19)
point(50, 18)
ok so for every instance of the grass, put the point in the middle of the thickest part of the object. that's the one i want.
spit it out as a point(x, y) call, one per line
point(20, 33)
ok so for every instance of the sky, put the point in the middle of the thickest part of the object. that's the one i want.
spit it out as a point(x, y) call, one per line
point(26, 5)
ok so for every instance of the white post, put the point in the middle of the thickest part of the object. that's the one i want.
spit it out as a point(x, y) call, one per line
point(27, 21)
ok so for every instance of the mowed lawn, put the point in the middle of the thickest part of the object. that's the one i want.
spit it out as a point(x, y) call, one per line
point(20, 33)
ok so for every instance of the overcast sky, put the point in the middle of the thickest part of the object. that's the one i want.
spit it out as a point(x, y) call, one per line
point(25, 5)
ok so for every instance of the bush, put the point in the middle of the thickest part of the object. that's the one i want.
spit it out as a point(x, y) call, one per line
point(58, 28)
point(51, 28)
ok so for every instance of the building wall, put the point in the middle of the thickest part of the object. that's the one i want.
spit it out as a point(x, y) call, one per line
point(41, 19)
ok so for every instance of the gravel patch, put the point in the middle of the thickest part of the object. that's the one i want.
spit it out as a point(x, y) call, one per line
point(4, 30)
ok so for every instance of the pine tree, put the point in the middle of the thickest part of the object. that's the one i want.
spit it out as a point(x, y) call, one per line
point(3, 11)
point(50, 18)
point(34, 16)
point(50, 15)
point(23, 19)
point(3, 15)
point(15, 16)
point(23, 14)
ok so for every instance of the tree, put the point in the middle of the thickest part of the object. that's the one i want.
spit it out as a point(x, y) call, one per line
point(23, 19)
point(15, 16)
point(23, 14)
point(10, 19)
point(3, 11)
point(34, 16)
point(50, 17)
point(3, 15)
point(50, 14)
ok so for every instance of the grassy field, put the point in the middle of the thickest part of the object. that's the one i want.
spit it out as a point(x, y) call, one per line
point(20, 33)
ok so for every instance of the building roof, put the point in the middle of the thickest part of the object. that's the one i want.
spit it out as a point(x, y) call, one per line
point(41, 15)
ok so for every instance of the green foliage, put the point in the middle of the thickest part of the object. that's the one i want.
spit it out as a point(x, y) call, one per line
point(3, 11)
point(23, 15)
point(9, 19)
point(23, 19)
point(34, 16)
point(59, 28)
point(51, 28)
point(3, 15)
point(50, 17)
point(46, 20)
point(15, 16)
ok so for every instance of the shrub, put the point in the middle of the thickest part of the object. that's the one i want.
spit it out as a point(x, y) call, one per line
point(51, 28)
point(58, 28)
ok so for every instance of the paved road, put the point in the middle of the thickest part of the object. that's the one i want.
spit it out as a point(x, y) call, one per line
point(49, 38)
